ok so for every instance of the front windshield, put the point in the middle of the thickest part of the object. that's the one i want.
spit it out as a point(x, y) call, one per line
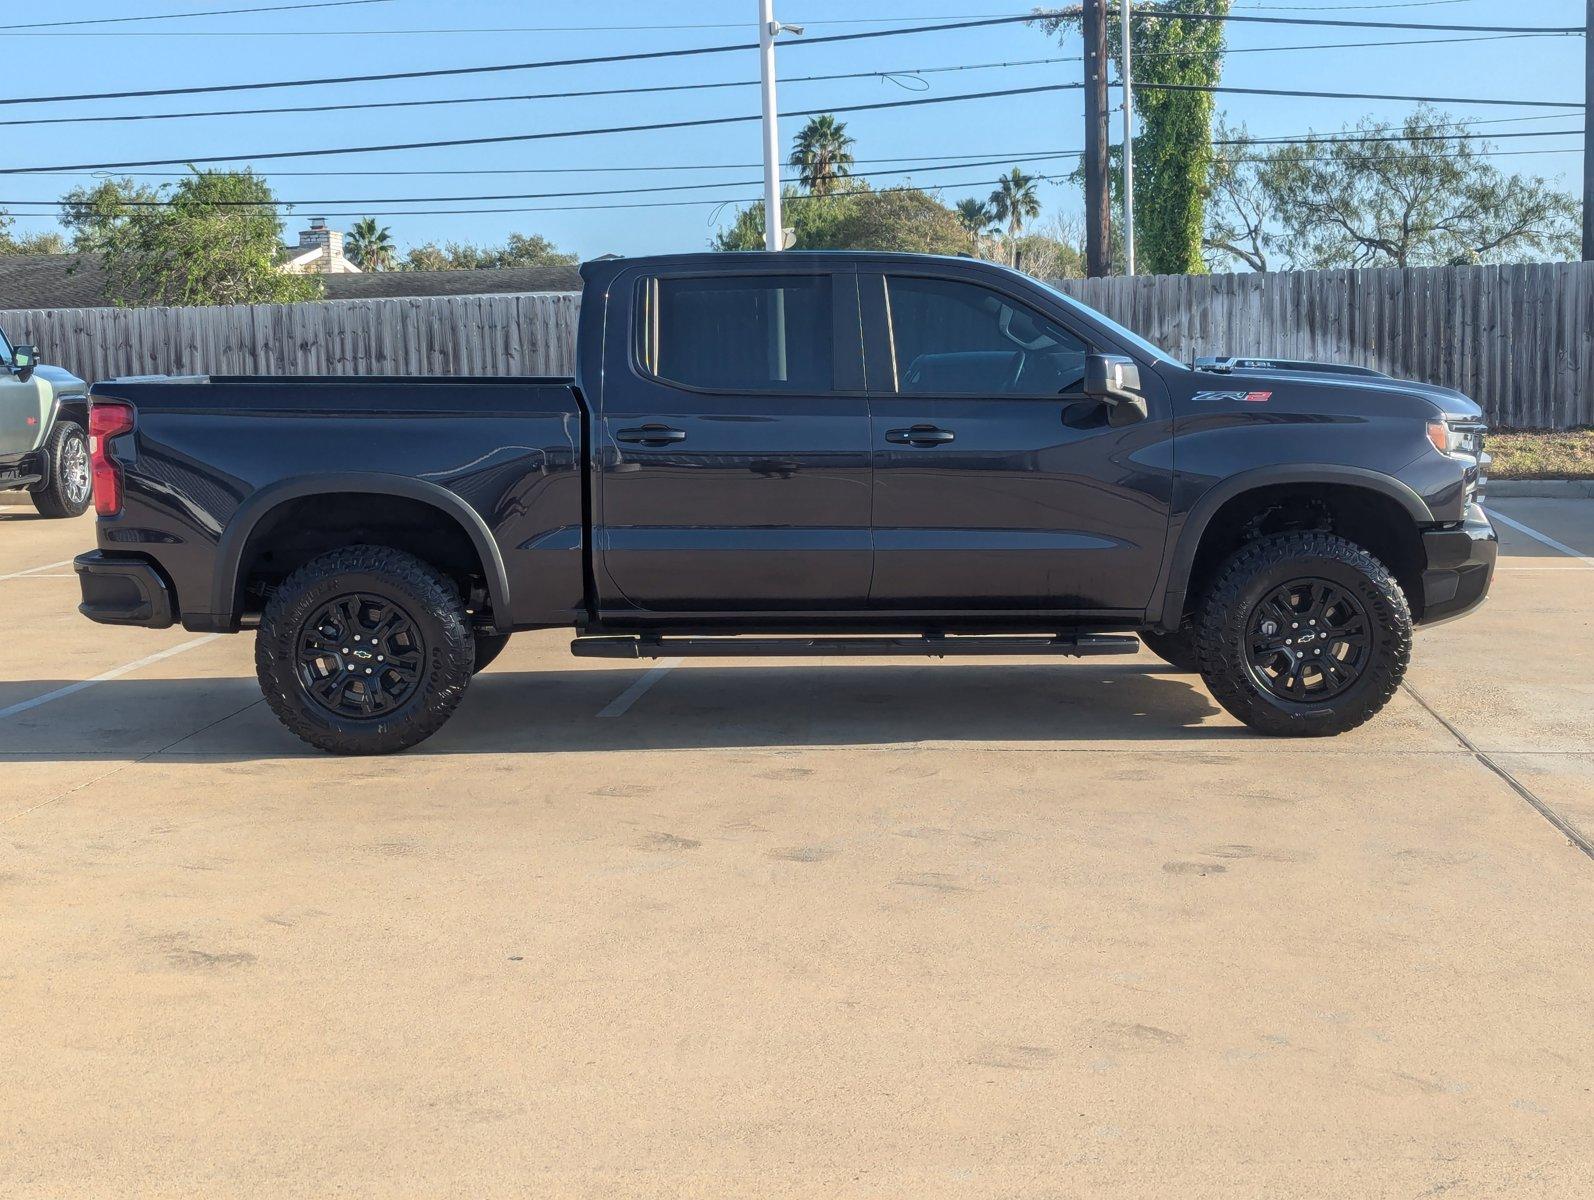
point(1127, 335)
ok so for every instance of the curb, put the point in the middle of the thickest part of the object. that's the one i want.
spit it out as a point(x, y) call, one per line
point(1538, 489)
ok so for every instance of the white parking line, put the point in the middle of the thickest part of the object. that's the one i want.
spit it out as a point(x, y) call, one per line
point(35, 570)
point(1542, 537)
point(621, 703)
point(72, 689)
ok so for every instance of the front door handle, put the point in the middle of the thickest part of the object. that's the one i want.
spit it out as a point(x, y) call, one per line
point(920, 435)
point(651, 435)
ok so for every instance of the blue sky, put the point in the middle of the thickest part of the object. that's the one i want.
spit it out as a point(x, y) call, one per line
point(365, 38)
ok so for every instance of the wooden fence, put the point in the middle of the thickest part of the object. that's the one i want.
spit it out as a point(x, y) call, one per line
point(1518, 339)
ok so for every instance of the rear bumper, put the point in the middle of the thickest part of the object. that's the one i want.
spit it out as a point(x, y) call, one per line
point(123, 590)
point(1460, 567)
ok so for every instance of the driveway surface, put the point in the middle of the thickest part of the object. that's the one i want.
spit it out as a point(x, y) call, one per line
point(834, 928)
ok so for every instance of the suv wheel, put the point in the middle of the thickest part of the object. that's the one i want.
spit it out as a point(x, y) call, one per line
point(69, 488)
point(1175, 649)
point(365, 650)
point(1304, 635)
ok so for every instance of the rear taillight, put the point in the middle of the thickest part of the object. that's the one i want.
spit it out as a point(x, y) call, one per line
point(107, 419)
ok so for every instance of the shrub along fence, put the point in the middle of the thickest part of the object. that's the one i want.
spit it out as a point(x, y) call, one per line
point(1518, 339)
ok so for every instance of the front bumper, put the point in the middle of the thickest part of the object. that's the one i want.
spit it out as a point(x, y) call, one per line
point(124, 590)
point(1460, 567)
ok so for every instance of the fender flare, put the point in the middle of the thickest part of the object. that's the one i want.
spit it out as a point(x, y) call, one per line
point(1180, 555)
point(227, 586)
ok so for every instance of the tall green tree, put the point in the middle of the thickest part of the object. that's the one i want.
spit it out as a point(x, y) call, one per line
point(215, 237)
point(899, 218)
point(1013, 202)
point(975, 216)
point(1174, 148)
point(370, 245)
point(822, 152)
point(1426, 196)
point(518, 250)
point(29, 243)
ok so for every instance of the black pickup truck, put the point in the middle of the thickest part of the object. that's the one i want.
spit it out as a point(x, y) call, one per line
point(799, 454)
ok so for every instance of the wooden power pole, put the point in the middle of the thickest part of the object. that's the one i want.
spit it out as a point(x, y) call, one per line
point(1098, 208)
point(1588, 137)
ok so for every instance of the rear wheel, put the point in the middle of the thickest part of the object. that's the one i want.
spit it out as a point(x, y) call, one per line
point(1304, 635)
point(488, 647)
point(1175, 649)
point(365, 650)
point(70, 485)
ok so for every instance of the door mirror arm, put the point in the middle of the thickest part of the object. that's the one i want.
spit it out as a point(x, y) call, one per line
point(1114, 380)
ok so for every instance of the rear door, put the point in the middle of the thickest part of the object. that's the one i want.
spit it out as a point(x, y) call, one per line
point(998, 485)
point(733, 443)
point(21, 408)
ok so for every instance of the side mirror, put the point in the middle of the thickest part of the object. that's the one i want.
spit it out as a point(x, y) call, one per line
point(1114, 380)
point(23, 360)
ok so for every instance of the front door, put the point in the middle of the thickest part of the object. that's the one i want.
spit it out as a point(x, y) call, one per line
point(21, 408)
point(998, 485)
point(733, 444)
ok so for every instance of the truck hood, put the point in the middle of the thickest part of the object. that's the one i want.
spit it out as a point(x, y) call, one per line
point(61, 381)
point(1305, 379)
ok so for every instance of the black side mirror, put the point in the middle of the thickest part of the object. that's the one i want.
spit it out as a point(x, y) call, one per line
point(23, 360)
point(1114, 379)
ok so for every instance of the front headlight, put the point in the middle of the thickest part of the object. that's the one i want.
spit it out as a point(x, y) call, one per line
point(1457, 436)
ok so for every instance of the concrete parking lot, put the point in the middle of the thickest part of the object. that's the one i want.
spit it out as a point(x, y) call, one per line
point(838, 928)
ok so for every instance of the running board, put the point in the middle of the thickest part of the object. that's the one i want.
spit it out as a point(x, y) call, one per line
point(846, 647)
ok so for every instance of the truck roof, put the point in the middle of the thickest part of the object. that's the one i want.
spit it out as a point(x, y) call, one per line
point(709, 259)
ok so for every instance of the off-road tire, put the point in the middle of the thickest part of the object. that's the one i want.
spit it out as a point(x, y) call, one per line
point(55, 496)
point(1176, 649)
point(431, 603)
point(488, 647)
point(1249, 576)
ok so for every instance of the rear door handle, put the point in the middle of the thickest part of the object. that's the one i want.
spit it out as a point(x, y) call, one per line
point(651, 435)
point(920, 435)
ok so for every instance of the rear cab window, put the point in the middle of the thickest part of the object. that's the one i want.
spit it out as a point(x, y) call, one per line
point(738, 333)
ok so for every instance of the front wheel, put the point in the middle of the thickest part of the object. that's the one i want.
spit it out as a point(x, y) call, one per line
point(70, 485)
point(1304, 635)
point(365, 650)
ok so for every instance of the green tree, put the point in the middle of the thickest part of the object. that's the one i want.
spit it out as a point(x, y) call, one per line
point(1173, 150)
point(900, 218)
point(1014, 201)
point(519, 250)
point(822, 153)
point(1426, 197)
point(215, 237)
point(975, 216)
point(1240, 207)
point(370, 245)
point(33, 243)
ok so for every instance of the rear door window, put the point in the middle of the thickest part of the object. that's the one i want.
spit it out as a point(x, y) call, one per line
point(748, 333)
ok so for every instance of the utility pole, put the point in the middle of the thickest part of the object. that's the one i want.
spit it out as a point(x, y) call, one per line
point(1098, 215)
point(774, 225)
point(1127, 73)
point(1588, 136)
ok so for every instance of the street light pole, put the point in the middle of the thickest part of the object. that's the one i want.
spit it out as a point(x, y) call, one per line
point(1129, 143)
point(774, 226)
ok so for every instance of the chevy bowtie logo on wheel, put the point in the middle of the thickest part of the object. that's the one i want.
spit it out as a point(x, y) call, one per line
point(1234, 397)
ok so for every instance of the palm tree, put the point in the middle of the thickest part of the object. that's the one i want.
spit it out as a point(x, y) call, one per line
point(821, 152)
point(1015, 202)
point(975, 216)
point(370, 245)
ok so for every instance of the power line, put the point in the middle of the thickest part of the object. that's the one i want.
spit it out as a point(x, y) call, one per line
point(505, 139)
point(1153, 15)
point(892, 76)
point(215, 12)
point(1245, 91)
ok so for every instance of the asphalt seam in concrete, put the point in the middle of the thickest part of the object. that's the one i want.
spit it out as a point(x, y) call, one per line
point(1572, 833)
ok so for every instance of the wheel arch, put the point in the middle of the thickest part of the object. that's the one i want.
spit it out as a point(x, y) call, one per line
point(228, 586)
point(1183, 550)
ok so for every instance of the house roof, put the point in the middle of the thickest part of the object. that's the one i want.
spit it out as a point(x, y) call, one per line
point(76, 281)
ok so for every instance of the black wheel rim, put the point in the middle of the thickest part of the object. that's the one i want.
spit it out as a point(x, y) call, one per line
point(1308, 641)
point(360, 657)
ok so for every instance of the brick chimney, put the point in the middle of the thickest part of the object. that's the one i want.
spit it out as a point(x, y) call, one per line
point(329, 243)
